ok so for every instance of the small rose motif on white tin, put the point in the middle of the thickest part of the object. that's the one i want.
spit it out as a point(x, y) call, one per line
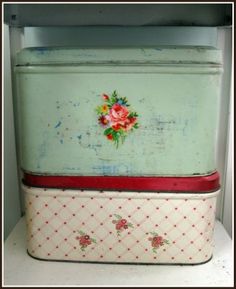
point(116, 118)
point(157, 241)
point(84, 240)
point(121, 224)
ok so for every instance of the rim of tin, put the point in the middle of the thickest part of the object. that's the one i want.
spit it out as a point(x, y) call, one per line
point(195, 184)
point(192, 55)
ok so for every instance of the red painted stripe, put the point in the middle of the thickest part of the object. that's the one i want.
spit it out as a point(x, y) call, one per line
point(176, 184)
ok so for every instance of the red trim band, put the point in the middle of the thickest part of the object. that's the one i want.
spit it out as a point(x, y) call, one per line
point(176, 184)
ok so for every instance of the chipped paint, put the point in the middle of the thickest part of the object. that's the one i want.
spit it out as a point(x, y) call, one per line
point(58, 124)
point(176, 119)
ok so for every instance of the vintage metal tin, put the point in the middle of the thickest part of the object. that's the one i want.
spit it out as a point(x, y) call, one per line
point(118, 112)
point(120, 227)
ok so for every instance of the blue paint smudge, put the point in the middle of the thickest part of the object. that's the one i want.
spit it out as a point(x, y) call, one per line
point(103, 170)
point(71, 169)
point(58, 124)
point(42, 150)
point(41, 50)
point(159, 49)
point(61, 141)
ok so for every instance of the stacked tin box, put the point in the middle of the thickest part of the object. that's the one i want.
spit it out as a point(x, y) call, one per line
point(118, 152)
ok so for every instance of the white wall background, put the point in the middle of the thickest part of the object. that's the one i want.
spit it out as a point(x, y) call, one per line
point(12, 211)
point(135, 36)
point(224, 140)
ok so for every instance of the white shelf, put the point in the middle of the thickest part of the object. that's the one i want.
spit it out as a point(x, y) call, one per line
point(21, 269)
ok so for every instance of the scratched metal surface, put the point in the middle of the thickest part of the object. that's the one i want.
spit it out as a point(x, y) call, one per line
point(177, 108)
point(167, 54)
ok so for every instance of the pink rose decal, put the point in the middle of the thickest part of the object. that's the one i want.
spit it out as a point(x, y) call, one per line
point(157, 241)
point(84, 240)
point(118, 113)
point(121, 224)
point(129, 123)
point(116, 118)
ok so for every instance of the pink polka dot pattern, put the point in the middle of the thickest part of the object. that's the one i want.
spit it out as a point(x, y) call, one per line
point(54, 219)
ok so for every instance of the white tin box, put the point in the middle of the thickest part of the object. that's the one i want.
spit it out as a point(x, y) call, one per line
point(120, 227)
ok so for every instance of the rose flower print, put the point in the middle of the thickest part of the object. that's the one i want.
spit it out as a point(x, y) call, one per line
point(84, 240)
point(157, 241)
point(121, 224)
point(116, 118)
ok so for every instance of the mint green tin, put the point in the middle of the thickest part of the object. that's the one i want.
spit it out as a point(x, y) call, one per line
point(118, 111)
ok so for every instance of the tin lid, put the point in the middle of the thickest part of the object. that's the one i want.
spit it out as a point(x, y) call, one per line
point(119, 56)
point(196, 184)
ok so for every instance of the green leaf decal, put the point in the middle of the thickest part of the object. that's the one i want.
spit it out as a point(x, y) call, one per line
point(118, 216)
point(108, 131)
